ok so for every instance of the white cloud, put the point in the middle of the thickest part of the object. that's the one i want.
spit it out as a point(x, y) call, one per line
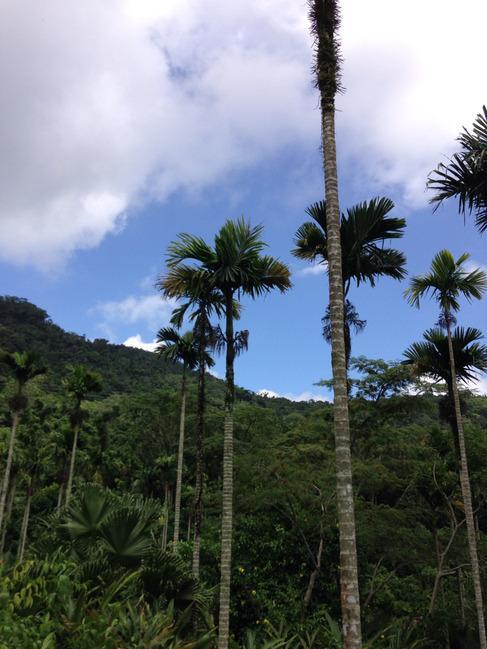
point(303, 396)
point(107, 103)
point(411, 75)
point(136, 341)
point(314, 269)
point(478, 386)
point(150, 310)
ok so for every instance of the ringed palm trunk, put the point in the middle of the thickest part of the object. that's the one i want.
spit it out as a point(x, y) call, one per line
point(179, 474)
point(8, 466)
point(200, 432)
point(8, 512)
point(227, 508)
point(349, 588)
point(25, 526)
point(69, 486)
point(467, 497)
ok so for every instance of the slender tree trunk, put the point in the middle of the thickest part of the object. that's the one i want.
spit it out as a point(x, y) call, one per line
point(188, 535)
point(227, 508)
point(179, 475)
point(25, 527)
point(467, 497)
point(69, 486)
point(8, 466)
point(200, 436)
point(350, 601)
point(8, 513)
point(166, 522)
point(461, 596)
point(60, 497)
point(314, 575)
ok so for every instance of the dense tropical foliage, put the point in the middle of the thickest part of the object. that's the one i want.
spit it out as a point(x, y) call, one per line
point(95, 574)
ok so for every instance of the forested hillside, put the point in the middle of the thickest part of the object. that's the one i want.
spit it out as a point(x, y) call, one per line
point(89, 564)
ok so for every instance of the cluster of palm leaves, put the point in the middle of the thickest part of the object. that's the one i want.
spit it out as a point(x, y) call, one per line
point(464, 177)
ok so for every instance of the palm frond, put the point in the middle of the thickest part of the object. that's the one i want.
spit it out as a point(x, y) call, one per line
point(465, 175)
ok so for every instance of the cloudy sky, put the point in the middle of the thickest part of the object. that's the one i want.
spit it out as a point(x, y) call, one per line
point(127, 122)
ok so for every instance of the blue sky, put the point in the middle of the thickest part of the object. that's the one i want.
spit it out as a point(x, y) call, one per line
point(173, 122)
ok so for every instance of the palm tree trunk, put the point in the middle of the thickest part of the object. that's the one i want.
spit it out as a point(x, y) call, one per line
point(60, 497)
point(8, 512)
point(167, 507)
point(8, 466)
point(227, 507)
point(69, 486)
point(179, 475)
point(350, 601)
point(200, 434)
point(25, 527)
point(467, 496)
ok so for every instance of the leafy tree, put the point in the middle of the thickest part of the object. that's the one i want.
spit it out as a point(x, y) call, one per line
point(234, 264)
point(24, 366)
point(80, 383)
point(380, 379)
point(465, 175)
point(177, 348)
point(447, 281)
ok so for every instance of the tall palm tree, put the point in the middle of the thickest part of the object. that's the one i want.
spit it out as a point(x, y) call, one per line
point(325, 23)
point(465, 176)
point(363, 233)
point(24, 366)
point(235, 265)
point(78, 384)
point(431, 358)
point(202, 301)
point(180, 349)
point(446, 282)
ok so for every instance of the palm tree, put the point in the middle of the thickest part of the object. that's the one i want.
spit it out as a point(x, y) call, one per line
point(234, 265)
point(431, 358)
point(325, 22)
point(180, 349)
point(202, 301)
point(24, 366)
point(446, 282)
point(363, 232)
point(79, 384)
point(465, 176)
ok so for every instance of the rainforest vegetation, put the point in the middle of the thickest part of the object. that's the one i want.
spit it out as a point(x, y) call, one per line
point(146, 503)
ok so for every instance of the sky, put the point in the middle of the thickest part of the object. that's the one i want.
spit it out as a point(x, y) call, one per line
point(126, 122)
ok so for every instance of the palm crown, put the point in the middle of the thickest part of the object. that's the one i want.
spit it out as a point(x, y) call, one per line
point(363, 231)
point(23, 365)
point(447, 281)
point(431, 356)
point(235, 263)
point(81, 381)
point(180, 348)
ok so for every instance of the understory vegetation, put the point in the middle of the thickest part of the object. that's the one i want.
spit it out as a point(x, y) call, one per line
point(102, 571)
